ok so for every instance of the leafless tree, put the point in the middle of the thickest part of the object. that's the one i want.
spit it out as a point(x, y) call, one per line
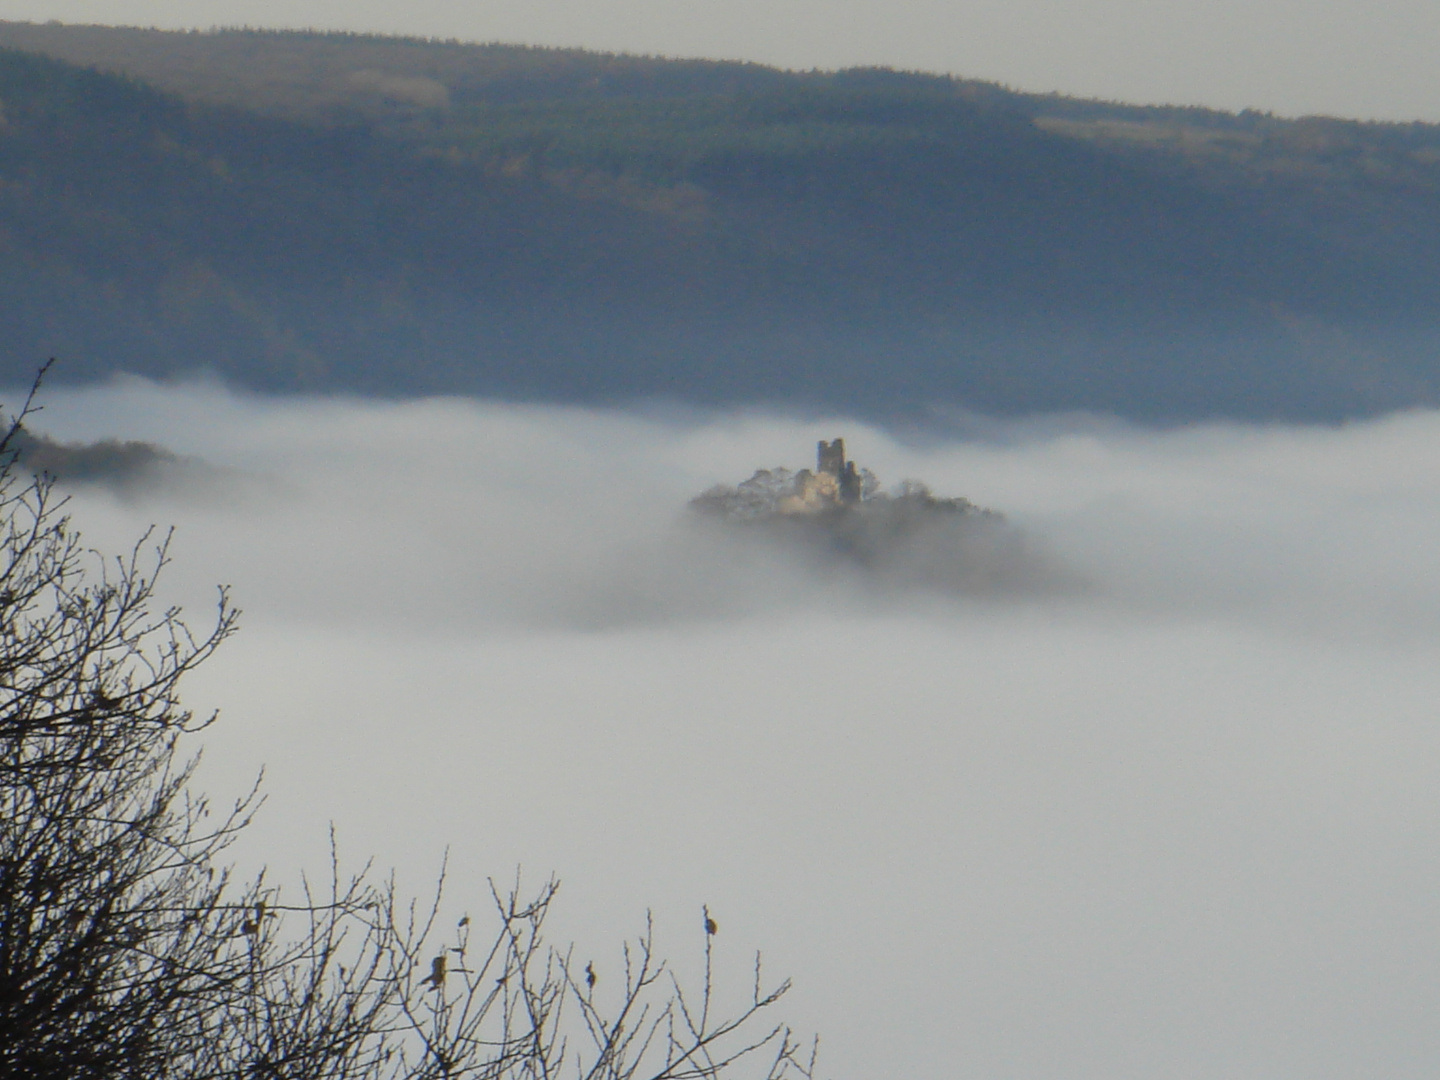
point(128, 950)
point(514, 1008)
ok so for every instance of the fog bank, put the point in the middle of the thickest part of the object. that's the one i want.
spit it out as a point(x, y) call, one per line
point(1179, 822)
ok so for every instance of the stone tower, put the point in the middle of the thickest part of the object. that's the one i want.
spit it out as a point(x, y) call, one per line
point(830, 458)
point(830, 461)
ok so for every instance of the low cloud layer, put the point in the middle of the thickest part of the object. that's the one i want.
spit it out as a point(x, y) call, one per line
point(1178, 822)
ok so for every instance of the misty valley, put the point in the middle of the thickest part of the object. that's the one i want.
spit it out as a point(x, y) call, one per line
point(1097, 829)
point(940, 567)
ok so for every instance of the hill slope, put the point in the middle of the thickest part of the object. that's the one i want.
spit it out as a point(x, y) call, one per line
point(395, 216)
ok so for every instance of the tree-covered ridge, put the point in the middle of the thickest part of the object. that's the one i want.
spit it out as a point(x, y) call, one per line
point(333, 76)
point(669, 140)
point(147, 231)
point(400, 216)
point(437, 90)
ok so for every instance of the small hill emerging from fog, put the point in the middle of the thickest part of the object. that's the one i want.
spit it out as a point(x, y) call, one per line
point(839, 520)
point(127, 467)
point(335, 212)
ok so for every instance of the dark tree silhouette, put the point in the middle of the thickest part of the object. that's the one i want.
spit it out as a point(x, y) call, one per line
point(127, 949)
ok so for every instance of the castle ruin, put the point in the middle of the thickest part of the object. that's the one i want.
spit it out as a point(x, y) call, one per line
point(835, 483)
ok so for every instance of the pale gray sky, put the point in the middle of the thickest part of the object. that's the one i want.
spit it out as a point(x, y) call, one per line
point(1363, 58)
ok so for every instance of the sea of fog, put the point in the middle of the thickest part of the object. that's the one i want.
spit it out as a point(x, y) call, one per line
point(1173, 815)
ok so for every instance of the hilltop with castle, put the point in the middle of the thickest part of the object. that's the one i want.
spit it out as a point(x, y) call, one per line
point(837, 520)
point(836, 488)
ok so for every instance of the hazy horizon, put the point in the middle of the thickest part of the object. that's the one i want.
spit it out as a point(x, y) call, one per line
point(1181, 823)
point(1327, 57)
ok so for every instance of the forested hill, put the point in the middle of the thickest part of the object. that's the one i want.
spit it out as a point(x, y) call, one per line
point(324, 211)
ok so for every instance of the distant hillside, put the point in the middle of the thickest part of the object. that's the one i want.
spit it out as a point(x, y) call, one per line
point(325, 211)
